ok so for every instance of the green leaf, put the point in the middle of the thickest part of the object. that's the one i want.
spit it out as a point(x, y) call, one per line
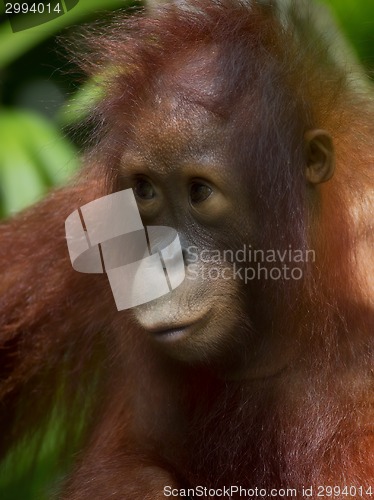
point(33, 156)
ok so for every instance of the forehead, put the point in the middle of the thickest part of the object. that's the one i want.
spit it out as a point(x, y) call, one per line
point(172, 118)
point(176, 124)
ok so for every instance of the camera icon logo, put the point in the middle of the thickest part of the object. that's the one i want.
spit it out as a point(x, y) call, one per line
point(107, 236)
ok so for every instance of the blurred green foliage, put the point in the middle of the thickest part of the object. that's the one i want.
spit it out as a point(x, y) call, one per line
point(356, 19)
point(35, 154)
point(23, 476)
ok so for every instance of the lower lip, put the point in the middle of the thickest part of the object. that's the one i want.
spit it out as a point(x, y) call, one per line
point(174, 334)
point(170, 334)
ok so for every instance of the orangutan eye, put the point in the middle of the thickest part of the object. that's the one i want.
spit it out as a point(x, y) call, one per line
point(144, 190)
point(199, 192)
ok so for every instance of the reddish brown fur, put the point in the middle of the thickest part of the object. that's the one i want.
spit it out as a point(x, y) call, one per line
point(158, 422)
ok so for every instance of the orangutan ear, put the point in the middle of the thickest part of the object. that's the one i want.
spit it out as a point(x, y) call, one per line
point(320, 156)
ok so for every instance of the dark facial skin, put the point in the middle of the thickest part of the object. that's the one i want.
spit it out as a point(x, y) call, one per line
point(177, 168)
point(182, 177)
